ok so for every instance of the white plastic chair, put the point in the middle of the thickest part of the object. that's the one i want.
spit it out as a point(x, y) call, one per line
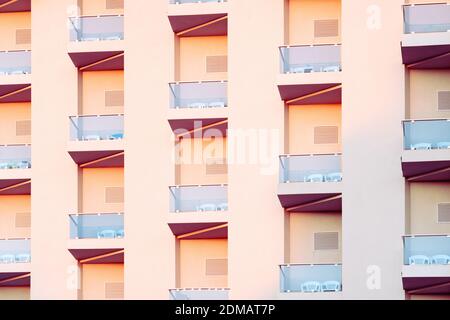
point(419, 259)
point(216, 104)
point(440, 259)
point(334, 177)
point(106, 234)
point(7, 258)
point(317, 177)
point(92, 137)
point(197, 105)
point(311, 286)
point(304, 69)
point(331, 69)
point(443, 145)
point(23, 258)
point(207, 207)
point(331, 286)
point(222, 206)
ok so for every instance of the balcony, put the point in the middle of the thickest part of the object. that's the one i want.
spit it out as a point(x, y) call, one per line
point(97, 141)
point(97, 238)
point(199, 294)
point(311, 278)
point(15, 172)
point(310, 74)
point(15, 76)
point(426, 40)
point(95, 42)
point(194, 101)
point(15, 262)
point(426, 265)
point(310, 183)
point(211, 198)
point(426, 155)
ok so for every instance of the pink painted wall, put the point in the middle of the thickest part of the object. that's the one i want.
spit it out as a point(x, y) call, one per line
point(9, 207)
point(10, 113)
point(95, 278)
point(9, 23)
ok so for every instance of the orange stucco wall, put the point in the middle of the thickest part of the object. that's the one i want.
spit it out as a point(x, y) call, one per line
point(303, 119)
point(9, 114)
point(193, 156)
point(192, 260)
point(94, 182)
point(15, 293)
point(302, 14)
point(9, 23)
point(96, 7)
point(9, 206)
point(192, 57)
point(301, 237)
point(95, 276)
point(94, 85)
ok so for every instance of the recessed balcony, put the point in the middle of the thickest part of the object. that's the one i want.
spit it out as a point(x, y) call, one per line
point(15, 262)
point(96, 42)
point(310, 183)
point(426, 155)
point(195, 101)
point(15, 75)
point(426, 265)
point(97, 238)
point(97, 141)
point(310, 74)
point(426, 40)
point(15, 169)
point(311, 279)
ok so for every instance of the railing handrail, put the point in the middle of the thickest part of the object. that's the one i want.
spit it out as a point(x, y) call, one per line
point(200, 289)
point(198, 185)
point(426, 236)
point(425, 4)
point(96, 16)
point(15, 239)
point(310, 155)
point(15, 51)
point(98, 115)
point(16, 145)
point(198, 82)
point(312, 45)
point(424, 120)
point(309, 264)
point(96, 214)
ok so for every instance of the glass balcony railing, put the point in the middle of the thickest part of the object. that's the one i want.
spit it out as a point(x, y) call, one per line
point(426, 249)
point(199, 294)
point(97, 28)
point(424, 18)
point(211, 94)
point(15, 251)
point(15, 157)
point(194, 1)
point(96, 226)
point(426, 134)
point(307, 59)
point(88, 128)
point(311, 278)
point(198, 198)
point(15, 62)
point(310, 168)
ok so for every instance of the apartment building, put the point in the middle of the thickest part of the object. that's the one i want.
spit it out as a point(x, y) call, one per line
point(224, 149)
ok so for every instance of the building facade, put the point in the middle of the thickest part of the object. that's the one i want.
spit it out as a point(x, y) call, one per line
point(224, 149)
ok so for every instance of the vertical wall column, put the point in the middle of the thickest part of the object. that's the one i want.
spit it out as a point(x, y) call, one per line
point(255, 238)
point(372, 111)
point(149, 168)
point(54, 179)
